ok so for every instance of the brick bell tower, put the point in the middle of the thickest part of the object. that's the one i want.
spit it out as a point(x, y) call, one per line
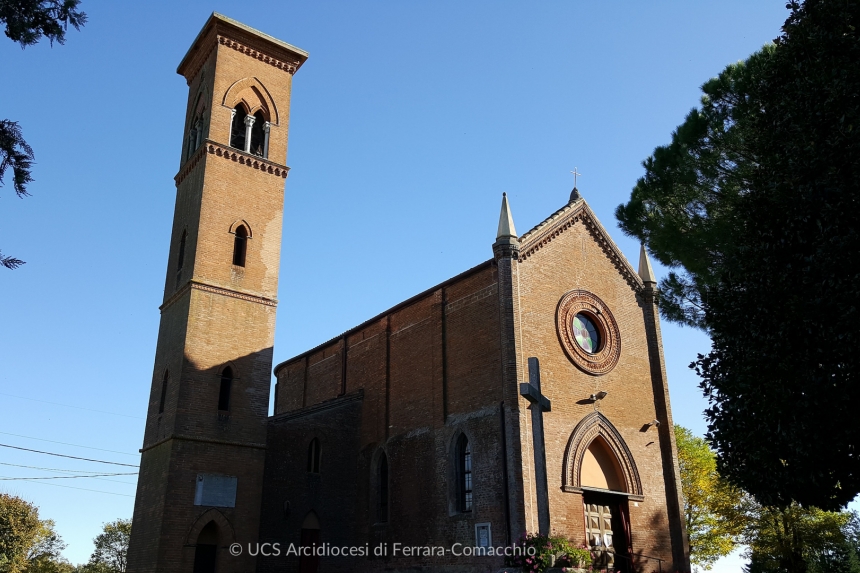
point(202, 459)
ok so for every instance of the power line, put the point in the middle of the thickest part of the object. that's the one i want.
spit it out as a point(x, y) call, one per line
point(68, 444)
point(44, 469)
point(55, 470)
point(81, 488)
point(4, 478)
point(65, 456)
point(70, 406)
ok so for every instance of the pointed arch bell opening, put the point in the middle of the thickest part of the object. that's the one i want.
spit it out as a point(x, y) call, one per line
point(597, 457)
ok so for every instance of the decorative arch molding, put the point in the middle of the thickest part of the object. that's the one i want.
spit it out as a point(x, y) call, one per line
point(589, 428)
point(203, 520)
point(241, 222)
point(255, 96)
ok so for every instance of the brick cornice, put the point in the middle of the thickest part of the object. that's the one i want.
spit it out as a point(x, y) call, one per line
point(250, 161)
point(216, 290)
point(256, 52)
point(562, 220)
point(220, 30)
point(182, 437)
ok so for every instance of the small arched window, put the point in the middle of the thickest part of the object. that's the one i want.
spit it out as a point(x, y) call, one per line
point(237, 127)
point(464, 474)
point(314, 456)
point(382, 488)
point(180, 260)
point(240, 246)
point(224, 391)
point(163, 391)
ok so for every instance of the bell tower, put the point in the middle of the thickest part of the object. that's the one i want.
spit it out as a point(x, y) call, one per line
point(202, 458)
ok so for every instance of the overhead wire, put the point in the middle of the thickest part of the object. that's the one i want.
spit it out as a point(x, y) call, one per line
point(6, 478)
point(81, 488)
point(55, 470)
point(70, 406)
point(67, 444)
point(65, 456)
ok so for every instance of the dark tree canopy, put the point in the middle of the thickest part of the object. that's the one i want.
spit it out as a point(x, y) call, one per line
point(28, 21)
point(757, 204)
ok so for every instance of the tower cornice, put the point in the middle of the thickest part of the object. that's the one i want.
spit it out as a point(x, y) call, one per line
point(220, 29)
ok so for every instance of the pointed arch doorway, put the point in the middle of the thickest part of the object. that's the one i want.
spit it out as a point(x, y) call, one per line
point(607, 521)
point(599, 466)
point(206, 549)
point(310, 540)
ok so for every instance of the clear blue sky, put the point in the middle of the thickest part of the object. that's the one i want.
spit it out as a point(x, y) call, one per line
point(409, 120)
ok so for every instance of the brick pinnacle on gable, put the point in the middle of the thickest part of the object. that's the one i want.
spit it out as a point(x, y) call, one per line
point(506, 221)
point(646, 273)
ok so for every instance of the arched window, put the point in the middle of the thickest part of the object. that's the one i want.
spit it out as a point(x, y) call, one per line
point(464, 474)
point(240, 246)
point(314, 456)
point(180, 260)
point(163, 392)
point(382, 488)
point(224, 392)
point(206, 549)
point(258, 135)
point(237, 127)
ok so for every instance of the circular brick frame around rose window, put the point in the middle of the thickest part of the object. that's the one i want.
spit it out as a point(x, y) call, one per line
point(609, 350)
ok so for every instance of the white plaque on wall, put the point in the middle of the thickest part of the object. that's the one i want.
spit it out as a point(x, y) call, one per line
point(483, 535)
point(215, 490)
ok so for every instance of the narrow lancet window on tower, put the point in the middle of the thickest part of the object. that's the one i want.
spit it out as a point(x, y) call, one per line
point(180, 260)
point(163, 392)
point(240, 246)
point(464, 474)
point(314, 456)
point(382, 480)
point(224, 392)
point(237, 127)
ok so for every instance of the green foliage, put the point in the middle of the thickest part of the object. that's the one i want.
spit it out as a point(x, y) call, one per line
point(799, 540)
point(537, 553)
point(716, 513)
point(19, 529)
point(45, 555)
point(27, 21)
point(683, 209)
point(782, 373)
point(755, 207)
point(111, 552)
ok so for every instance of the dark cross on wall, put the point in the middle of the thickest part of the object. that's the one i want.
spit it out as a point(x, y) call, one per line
point(539, 404)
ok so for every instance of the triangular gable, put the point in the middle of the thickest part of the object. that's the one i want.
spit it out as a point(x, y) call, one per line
point(538, 237)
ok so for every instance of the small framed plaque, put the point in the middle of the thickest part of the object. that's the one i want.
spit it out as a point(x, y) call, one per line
point(215, 490)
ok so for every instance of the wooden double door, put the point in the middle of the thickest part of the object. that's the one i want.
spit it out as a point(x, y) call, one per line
point(607, 530)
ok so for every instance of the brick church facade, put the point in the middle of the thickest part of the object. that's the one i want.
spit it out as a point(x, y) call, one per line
point(429, 425)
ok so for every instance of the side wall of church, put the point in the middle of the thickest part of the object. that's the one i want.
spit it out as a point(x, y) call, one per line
point(573, 259)
point(406, 384)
